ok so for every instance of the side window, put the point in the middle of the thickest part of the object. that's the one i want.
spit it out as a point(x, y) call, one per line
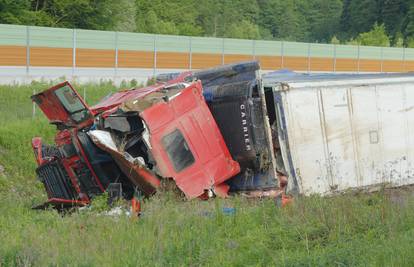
point(177, 150)
point(69, 100)
point(72, 104)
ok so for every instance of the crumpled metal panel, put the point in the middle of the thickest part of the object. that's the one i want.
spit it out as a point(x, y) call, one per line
point(138, 174)
point(189, 113)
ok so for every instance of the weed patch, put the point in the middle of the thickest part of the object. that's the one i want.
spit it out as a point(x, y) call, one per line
point(348, 230)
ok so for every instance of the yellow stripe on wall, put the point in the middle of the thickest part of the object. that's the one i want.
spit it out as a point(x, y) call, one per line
point(409, 66)
point(346, 64)
point(135, 59)
point(230, 58)
point(173, 60)
point(202, 60)
point(295, 63)
point(101, 58)
point(321, 64)
point(393, 66)
point(270, 62)
point(12, 56)
point(47, 56)
point(366, 65)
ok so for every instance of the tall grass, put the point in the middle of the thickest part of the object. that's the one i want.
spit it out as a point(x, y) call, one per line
point(348, 230)
point(15, 103)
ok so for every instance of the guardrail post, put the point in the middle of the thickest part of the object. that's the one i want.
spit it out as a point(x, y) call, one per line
point(282, 52)
point(358, 60)
point(27, 51)
point(334, 59)
point(155, 55)
point(254, 49)
point(116, 57)
point(190, 59)
point(309, 59)
point(73, 53)
point(403, 59)
point(222, 52)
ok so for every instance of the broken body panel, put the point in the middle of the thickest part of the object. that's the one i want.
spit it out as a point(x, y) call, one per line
point(183, 141)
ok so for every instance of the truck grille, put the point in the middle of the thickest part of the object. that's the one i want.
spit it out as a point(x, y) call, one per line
point(56, 181)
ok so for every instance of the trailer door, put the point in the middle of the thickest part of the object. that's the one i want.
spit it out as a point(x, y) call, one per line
point(282, 133)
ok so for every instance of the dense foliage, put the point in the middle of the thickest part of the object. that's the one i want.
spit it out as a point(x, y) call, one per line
point(385, 22)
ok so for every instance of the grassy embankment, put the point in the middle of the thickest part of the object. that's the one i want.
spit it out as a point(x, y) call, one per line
point(363, 230)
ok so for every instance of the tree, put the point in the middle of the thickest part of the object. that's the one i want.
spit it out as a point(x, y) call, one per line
point(85, 14)
point(291, 20)
point(172, 17)
point(244, 29)
point(265, 34)
point(19, 12)
point(398, 40)
point(392, 15)
point(217, 17)
point(358, 16)
point(409, 22)
point(152, 24)
point(284, 19)
point(375, 37)
point(323, 18)
point(12, 11)
point(410, 42)
point(126, 16)
point(345, 20)
point(335, 40)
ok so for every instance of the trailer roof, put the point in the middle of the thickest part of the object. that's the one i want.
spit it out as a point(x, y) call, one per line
point(299, 80)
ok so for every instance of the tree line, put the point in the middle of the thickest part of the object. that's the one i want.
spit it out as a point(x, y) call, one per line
point(366, 22)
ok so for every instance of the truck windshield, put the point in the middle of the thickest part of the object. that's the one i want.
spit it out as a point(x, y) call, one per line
point(72, 103)
point(178, 151)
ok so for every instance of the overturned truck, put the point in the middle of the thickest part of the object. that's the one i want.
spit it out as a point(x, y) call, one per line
point(227, 130)
point(206, 131)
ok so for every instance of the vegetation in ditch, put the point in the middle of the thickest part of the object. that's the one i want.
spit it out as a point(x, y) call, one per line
point(375, 229)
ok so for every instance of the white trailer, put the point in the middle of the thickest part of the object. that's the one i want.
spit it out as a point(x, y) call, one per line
point(341, 131)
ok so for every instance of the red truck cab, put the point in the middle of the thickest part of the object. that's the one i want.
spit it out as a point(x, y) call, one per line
point(187, 143)
point(137, 138)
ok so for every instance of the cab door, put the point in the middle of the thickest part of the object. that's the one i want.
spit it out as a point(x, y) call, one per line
point(63, 106)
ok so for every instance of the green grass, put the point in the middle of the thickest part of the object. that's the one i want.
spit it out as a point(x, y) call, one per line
point(349, 230)
point(15, 103)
